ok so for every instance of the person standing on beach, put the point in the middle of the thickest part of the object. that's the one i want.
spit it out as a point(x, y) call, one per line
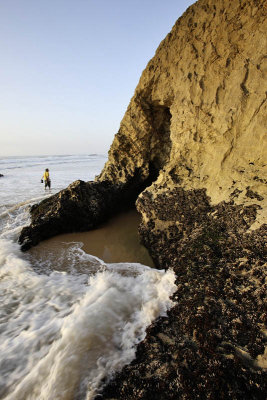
point(46, 179)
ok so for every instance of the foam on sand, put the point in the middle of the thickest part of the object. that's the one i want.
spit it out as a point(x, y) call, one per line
point(63, 333)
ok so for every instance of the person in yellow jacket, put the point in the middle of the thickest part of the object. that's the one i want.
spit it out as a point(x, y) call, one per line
point(46, 179)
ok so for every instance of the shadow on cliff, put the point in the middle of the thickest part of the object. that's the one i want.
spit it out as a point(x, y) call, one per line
point(82, 206)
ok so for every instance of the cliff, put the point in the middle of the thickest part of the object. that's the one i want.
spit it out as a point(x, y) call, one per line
point(191, 150)
point(198, 115)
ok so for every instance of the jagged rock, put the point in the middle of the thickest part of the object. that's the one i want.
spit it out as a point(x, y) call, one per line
point(212, 343)
point(196, 128)
point(1, 175)
point(80, 207)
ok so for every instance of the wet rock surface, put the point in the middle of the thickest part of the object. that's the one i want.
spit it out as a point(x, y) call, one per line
point(80, 207)
point(212, 342)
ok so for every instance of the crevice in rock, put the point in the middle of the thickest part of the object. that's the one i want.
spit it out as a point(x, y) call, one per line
point(160, 144)
point(159, 119)
point(243, 83)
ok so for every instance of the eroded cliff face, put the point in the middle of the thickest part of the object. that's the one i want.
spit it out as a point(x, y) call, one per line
point(197, 123)
point(198, 115)
point(191, 149)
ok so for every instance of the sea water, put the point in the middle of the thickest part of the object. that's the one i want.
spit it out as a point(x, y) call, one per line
point(64, 330)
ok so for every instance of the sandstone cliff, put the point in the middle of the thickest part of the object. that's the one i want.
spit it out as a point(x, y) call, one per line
point(191, 149)
point(198, 121)
point(198, 114)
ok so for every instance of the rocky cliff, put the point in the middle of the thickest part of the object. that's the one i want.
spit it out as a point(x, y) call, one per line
point(191, 149)
point(198, 115)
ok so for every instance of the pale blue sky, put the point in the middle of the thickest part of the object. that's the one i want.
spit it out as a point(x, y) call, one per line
point(68, 69)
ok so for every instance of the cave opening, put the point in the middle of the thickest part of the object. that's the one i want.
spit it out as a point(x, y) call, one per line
point(160, 144)
point(159, 118)
point(97, 201)
point(158, 153)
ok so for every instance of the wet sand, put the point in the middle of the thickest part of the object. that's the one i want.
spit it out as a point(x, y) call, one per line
point(116, 241)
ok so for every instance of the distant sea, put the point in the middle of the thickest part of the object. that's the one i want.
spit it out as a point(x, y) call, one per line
point(62, 332)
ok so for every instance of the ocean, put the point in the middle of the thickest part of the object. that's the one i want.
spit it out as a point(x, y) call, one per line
point(68, 322)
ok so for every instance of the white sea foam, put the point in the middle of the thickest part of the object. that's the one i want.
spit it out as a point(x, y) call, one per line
point(22, 175)
point(61, 333)
point(69, 320)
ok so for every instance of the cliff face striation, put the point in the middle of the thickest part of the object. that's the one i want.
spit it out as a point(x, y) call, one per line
point(198, 115)
point(197, 121)
point(191, 149)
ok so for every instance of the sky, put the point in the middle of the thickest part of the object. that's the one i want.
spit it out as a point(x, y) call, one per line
point(69, 68)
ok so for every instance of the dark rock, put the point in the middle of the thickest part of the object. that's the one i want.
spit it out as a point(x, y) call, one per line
point(80, 207)
point(208, 345)
point(253, 195)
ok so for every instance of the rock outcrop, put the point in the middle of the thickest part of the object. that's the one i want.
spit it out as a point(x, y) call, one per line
point(196, 128)
point(80, 207)
point(198, 114)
